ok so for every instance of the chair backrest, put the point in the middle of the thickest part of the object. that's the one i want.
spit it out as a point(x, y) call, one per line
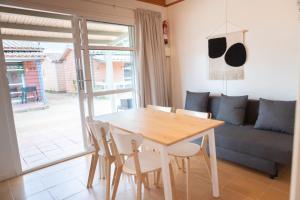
point(202, 115)
point(124, 140)
point(160, 108)
point(98, 132)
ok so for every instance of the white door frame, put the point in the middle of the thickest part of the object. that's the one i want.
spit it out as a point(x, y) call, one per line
point(11, 130)
point(15, 154)
point(80, 76)
point(295, 176)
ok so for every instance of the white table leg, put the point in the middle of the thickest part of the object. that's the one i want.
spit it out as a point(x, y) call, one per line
point(213, 164)
point(166, 173)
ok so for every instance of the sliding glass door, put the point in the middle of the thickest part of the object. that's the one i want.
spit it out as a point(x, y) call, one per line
point(109, 58)
point(59, 70)
point(44, 85)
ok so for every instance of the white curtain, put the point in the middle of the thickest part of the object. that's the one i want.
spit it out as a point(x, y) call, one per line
point(152, 70)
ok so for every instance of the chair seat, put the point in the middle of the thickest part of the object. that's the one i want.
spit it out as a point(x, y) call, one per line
point(149, 161)
point(186, 149)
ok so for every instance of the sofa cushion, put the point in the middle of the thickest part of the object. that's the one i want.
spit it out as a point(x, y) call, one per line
point(267, 145)
point(251, 112)
point(276, 116)
point(196, 101)
point(213, 105)
point(232, 109)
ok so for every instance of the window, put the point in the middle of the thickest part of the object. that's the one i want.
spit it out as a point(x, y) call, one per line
point(111, 54)
point(109, 35)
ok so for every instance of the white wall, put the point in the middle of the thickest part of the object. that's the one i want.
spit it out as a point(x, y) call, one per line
point(273, 44)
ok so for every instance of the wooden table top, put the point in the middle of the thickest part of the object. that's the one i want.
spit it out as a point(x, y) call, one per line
point(162, 127)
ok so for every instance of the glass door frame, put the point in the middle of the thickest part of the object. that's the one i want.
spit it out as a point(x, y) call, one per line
point(81, 92)
point(86, 72)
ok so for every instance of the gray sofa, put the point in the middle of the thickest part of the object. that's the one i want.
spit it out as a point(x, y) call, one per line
point(258, 149)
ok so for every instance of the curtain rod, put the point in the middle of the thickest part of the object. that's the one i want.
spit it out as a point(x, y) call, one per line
point(108, 4)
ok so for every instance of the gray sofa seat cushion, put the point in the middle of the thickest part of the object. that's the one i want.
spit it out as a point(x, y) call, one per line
point(196, 101)
point(276, 116)
point(267, 145)
point(232, 109)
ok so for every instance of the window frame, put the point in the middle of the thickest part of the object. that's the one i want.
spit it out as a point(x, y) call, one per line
point(87, 72)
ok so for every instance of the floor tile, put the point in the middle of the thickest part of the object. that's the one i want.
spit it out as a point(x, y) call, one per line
point(41, 196)
point(30, 159)
point(67, 189)
point(67, 180)
point(22, 190)
point(57, 178)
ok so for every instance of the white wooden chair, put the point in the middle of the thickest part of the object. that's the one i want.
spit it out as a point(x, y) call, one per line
point(98, 134)
point(137, 163)
point(188, 149)
point(160, 108)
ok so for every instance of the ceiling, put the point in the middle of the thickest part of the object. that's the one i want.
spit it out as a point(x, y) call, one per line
point(33, 26)
point(162, 2)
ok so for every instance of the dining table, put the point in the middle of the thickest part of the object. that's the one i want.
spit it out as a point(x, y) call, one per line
point(161, 130)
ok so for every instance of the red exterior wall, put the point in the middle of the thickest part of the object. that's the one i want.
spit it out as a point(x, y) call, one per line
point(31, 75)
point(118, 71)
point(99, 70)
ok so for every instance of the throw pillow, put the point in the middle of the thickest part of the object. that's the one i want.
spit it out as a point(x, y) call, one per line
point(276, 116)
point(232, 109)
point(196, 101)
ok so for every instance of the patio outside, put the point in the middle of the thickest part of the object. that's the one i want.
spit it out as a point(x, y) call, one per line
point(46, 134)
point(43, 90)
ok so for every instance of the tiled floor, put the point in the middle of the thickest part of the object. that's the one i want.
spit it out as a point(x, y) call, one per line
point(67, 181)
point(46, 135)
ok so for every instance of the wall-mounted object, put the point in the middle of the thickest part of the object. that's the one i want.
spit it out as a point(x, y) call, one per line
point(166, 32)
point(227, 56)
point(168, 51)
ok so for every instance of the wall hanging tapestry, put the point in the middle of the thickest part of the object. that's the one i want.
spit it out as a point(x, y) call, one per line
point(227, 56)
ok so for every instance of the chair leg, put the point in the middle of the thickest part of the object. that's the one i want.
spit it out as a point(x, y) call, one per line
point(90, 171)
point(114, 176)
point(172, 182)
point(177, 163)
point(188, 195)
point(139, 188)
point(117, 181)
point(158, 177)
point(183, 166)
point(93, 166)
point(145, 182)
point(108, 169)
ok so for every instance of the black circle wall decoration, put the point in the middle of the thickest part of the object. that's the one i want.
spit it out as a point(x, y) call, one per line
point(217, 47)
point(236, 55)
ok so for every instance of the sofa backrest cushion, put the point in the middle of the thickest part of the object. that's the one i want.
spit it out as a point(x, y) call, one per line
point(276, 116)
point(251, 109)
point(196, 101)
point(232, 109)
point(251, 112)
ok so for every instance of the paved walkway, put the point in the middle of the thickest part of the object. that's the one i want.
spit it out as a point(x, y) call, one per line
point(49, 134)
